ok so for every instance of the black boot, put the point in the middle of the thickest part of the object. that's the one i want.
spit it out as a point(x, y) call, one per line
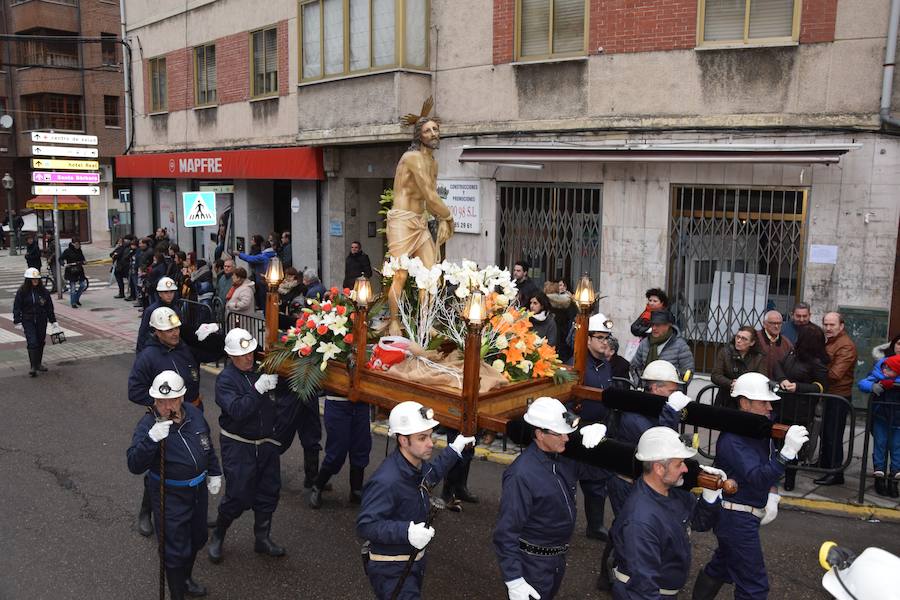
point(193, 588)
point(315, 493)
point(175, 579)
point(310, 467)
point(894, 487)
point(32, 360)
point(594, 509)
point(604, 579)
point(40, 360)
point(357, 474)
point(790, 478)
point(705, 587)
point(145, 523)
point(218, 539)
point(881, 485)
point(461, 489)
point(262, 528)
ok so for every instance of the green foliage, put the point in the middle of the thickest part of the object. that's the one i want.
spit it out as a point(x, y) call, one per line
point(564, 376)
point(305, 375)
point(387, 202)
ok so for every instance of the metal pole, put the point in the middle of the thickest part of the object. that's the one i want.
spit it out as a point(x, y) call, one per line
point(59, 293)
point(13, 234)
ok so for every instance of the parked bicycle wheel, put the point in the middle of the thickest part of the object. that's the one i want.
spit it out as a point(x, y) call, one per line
point(49, 283)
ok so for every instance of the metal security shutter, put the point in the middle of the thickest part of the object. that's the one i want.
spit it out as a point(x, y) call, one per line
point(568, 26)
point(535, 28)
point(771, 18)
point(724, 20)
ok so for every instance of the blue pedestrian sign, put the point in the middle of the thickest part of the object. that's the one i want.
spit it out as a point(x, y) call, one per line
point(199, 208)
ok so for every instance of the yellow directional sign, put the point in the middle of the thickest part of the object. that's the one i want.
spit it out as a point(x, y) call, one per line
point(76, 165)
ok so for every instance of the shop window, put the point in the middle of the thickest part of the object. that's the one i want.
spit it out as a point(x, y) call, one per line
point(205, 75)
point(53, 111)
point(342, 37)
point(748, 21)
point(550, 29)
point(158, 85)
point(264, 62)
point(111, 111)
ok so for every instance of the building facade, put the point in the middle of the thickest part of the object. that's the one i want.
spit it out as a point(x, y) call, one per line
point(63, 72)
point(731, 152)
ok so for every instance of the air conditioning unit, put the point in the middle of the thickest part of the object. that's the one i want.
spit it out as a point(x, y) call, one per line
point(106, 174)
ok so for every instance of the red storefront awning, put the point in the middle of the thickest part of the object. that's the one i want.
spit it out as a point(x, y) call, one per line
point(267, 163)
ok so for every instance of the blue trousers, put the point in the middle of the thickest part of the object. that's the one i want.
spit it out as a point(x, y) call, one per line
point(885, 446)
point(252, 478)
point(617, 489)
point(309, 425)
point(348, 433)
point(384, 577)
point(544, 573)
point(35, 332)
point(76, 288)
point(739, 557)
point(186, 531)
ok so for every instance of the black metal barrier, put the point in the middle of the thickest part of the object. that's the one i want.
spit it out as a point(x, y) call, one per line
point(255, 325)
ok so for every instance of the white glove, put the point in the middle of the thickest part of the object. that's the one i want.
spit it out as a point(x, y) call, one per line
point(710, 496)
point(54, 328)
point(796, 436)
point(266, 383)
point(591, 435)
point(214, 484)
point(205, 330)
point(419, 534)
point(461, 442)
point(519, 589)
point(771, 509)
point(19, 327)
point(678, 401)
point(159, 431)
point(877, 388)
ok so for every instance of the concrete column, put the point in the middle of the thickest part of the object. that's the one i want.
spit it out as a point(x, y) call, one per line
point(304, 226)
point(141, 197)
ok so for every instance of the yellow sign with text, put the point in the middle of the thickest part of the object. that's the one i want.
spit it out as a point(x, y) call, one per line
point(56, 163)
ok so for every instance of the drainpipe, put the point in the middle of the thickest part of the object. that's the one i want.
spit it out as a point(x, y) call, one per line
point(890, 54)
point(126, 63)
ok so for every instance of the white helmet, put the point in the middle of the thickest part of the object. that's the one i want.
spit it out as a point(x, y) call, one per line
point(662, 443)
point(167, 384)
point(549, 413)
point(166, 284)
point(754, 386)
point(32, 273)
point(660, 370)
point(868, 576)
point(410, 417)
point(239, 342)
point(164, 319)
point(600, 323)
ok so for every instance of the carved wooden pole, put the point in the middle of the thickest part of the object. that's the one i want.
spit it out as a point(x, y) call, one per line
point(360, 333)
point(471, 379)
point(272, 305)
point(581, 340)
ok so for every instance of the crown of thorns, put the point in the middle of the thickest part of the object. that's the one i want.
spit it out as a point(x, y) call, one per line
point(412, 119)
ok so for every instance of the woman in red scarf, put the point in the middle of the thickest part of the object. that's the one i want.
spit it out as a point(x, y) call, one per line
point(656, 300)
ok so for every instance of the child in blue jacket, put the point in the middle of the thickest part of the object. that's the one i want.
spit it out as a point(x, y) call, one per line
point(884, 383)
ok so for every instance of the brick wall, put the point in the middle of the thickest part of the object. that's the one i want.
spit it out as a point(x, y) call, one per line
point(817, 21)
point(641, 26)
point(180, 79)
point(284, 74)
point(233, 68)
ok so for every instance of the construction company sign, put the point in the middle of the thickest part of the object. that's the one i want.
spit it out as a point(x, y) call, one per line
point(463, 198)
point(199, 208)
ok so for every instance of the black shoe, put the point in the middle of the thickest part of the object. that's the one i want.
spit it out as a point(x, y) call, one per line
point(830, 479)
point(32, 373)
point(128, 299)
point(461, 490)
point(594, 509)
point(262, 528)
point(42, 368)
point(78, 304)
point(705, 587)
point(119, 296)
point(894, 487)
point(314, 500)
point(145, 524)
point(790, 478)
point(357, 475)
point(175, 578)
point(218, 539)
point(193, 588)
point(881, 486)
point(74, 305)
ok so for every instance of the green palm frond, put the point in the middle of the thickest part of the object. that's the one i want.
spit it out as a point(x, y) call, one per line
point(306, 376)
point(564, 376)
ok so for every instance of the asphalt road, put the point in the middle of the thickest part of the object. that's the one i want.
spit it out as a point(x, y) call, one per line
point(69, 505)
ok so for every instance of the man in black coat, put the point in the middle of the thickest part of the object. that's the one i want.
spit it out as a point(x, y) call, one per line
point(357, 264)
point(526, 286)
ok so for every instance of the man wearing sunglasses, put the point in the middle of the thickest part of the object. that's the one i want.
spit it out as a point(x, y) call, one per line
point(251, 454)
point(397, 500)
point(537, 504)
point(191, 471)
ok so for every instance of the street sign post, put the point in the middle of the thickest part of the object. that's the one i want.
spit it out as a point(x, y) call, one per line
point(49, 137)
point(75, 151)
point(65, 190)
point(73, 165)
point(199, 208)
point(58, 177)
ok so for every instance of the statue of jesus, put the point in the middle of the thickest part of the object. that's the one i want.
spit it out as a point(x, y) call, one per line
point(415, 191)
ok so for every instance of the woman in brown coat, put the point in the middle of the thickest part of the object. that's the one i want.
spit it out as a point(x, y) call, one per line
point(733, 360)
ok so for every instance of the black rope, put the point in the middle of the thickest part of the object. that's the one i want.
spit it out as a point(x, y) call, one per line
point(162, 519)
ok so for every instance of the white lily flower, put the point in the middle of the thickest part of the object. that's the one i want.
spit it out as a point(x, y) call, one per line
point(501, 342)
point(525, 365)
point(328, 351)
point(309, 339)
point(498, 365)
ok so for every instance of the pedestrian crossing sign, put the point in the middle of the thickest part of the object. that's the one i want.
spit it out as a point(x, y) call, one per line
point(199, 208)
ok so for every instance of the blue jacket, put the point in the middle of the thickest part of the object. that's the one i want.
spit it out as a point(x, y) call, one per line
point(887, 405)
point(189, 449)
point(752, 464)
point(629, 427)
point(393, 497)
point(316, 291)
point(537, 505)
point(650, 539)
point(155, 358)
point(245, 412)
point(33, 305)
point(257, 260)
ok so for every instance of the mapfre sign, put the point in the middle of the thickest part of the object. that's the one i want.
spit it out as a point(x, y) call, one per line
point(269, 163)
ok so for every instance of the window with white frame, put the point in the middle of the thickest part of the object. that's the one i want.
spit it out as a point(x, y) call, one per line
point(343, 37)
point(550, 28)
point(748, 21)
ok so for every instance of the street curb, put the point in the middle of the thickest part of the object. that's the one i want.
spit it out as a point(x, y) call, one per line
point(866, 512)
point(99, 261)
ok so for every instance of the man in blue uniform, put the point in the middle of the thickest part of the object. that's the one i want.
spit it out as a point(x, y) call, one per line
point(756, 467)
point(650, 534)
point(191, 470)
point(347, 426)
point(660, 378)
point(166, 291)
point(396, 501)
point(164, 351)
point(251, 455)
point(537, 505)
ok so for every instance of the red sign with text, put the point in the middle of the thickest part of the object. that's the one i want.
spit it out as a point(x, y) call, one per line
point(269, 163)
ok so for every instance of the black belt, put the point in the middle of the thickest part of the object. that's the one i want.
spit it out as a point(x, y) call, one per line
point(542, 550)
